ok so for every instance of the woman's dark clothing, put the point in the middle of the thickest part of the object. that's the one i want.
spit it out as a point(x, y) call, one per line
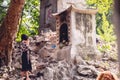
point(26, 63)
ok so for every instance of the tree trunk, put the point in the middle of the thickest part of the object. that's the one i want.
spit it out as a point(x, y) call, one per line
point(117, 25)
point(8, 30)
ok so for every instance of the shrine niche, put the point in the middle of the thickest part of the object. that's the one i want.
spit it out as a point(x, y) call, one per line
point(63, 27)
point(76, 27)
point(63, 36)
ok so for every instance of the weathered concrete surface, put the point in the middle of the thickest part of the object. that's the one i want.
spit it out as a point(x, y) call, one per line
point(64, 4)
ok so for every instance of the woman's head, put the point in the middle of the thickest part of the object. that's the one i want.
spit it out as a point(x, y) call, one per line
point(24, 37)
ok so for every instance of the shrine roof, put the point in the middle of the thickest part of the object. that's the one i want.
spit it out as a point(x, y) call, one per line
point(75, 9)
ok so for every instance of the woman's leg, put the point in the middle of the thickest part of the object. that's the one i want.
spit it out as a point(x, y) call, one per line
point(27, 75)
point(23, 74)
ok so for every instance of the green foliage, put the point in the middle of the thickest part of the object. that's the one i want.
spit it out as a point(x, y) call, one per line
point(3, 9)
point(104, 24)
point(104, 48)
point(106, 31)
point(30, 19)
point(103, 6)
point(22, 30)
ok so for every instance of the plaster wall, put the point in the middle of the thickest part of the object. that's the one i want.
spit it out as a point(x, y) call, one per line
point(64, 4)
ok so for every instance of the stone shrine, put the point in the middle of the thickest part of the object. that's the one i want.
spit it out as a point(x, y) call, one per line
point(75, 24)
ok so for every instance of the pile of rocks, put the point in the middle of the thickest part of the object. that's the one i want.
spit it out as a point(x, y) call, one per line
point(47, 63)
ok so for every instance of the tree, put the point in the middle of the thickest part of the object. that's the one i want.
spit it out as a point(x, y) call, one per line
point(117, 24)
point(29, 22)
point(8, 30)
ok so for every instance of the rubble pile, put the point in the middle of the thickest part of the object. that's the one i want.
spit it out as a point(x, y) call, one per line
point(48, 64)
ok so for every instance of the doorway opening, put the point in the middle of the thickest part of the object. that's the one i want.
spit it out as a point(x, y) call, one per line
point(63, 36)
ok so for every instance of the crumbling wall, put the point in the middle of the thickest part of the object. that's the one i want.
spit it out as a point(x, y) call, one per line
point(84, 43)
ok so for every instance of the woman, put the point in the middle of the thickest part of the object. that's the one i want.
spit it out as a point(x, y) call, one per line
point(26, 63)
